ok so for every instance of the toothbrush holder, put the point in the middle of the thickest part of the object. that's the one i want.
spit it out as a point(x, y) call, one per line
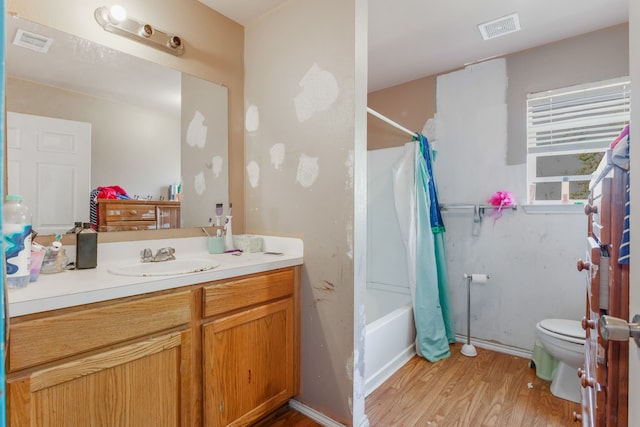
point(216, 245)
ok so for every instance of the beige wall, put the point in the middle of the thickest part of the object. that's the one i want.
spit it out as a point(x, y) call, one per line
point(409, 104)
point(205, 131)
point(305, 167)
point(214, 51)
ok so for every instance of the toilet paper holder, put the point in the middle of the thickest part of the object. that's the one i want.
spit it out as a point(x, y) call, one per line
point(477, 278)
point(468, 349)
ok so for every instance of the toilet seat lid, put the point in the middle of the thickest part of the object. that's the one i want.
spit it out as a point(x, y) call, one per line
point(568, 328)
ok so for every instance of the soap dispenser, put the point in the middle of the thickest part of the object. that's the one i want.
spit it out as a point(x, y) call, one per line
point(228, 235)
point(86, 247)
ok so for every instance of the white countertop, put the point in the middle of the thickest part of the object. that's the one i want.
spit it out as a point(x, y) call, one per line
point(76, 287)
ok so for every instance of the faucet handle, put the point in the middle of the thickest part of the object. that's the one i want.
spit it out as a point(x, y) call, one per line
point(146, 255)
point(164, 254)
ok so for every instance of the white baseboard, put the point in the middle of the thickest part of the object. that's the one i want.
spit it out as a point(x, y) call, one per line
point(363, 422)
point(389, 369)
point(500, 348)
point(321, 418)
point(316, 416)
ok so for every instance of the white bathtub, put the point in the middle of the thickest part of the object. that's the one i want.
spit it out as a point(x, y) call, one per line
point(390, 333)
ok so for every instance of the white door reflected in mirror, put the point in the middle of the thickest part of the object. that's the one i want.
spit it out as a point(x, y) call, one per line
point(49, 165)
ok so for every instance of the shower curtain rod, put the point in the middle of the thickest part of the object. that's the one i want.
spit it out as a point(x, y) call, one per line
point(391, 122)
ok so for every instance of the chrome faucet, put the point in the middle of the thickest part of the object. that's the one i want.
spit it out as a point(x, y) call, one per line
point(163, 254)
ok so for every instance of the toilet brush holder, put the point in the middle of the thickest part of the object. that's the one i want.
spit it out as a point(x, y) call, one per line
point(468, 349)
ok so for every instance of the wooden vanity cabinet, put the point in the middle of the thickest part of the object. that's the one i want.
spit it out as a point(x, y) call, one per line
point(123, 363)
point(212, 354)
point(250, 347)
point(604, 376)
point(131, 215)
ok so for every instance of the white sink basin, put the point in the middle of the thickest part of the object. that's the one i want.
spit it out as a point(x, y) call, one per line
point(165, 268)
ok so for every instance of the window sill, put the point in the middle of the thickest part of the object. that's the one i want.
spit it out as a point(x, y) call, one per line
point(554, 209)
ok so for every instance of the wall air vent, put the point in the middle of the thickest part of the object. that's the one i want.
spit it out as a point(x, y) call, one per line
point(32, 41)
point(500, 27)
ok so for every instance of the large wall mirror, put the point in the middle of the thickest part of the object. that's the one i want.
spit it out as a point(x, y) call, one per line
point(109, 120)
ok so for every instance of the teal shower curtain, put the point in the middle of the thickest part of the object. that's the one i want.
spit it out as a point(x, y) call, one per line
point(423, 232)
point(434, 324)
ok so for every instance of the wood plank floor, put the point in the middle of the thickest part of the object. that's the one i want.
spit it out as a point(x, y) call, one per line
point(492, 389)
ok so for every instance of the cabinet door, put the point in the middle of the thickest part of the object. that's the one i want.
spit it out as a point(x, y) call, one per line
point(139, 384)
point(123, 211)
point(248, 363)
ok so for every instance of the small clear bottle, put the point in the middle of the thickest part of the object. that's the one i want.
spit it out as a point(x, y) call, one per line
point(564, 191)
point(16, 230)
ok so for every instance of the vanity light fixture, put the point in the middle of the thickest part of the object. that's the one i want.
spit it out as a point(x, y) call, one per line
point(115, 20)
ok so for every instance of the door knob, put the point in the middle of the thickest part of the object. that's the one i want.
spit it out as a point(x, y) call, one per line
point(583, 265)
point(615, 329)
point(588, 323)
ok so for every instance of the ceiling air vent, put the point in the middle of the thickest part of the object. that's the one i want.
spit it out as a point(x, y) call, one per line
point(32, 41)
point(500, 27)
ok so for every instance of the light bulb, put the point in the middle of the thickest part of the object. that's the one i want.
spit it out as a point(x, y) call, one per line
point(117, 14)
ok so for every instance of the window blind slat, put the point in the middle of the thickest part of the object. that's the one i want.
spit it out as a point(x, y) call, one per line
point(597, 114)
point(573, 107)
point(570, 148)
point(541, 132)
point(546, 132)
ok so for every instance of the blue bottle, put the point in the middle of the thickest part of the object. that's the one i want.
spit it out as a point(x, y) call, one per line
point(16, 230)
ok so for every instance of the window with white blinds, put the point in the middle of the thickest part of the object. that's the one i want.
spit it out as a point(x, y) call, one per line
point(568, 131)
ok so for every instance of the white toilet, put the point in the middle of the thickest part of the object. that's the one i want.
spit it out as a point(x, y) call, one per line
point(564, 340)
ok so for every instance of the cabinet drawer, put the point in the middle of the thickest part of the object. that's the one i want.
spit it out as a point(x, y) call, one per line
point(227, 296)
point(129, 212)
point(37, 341)
point(128, 226)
